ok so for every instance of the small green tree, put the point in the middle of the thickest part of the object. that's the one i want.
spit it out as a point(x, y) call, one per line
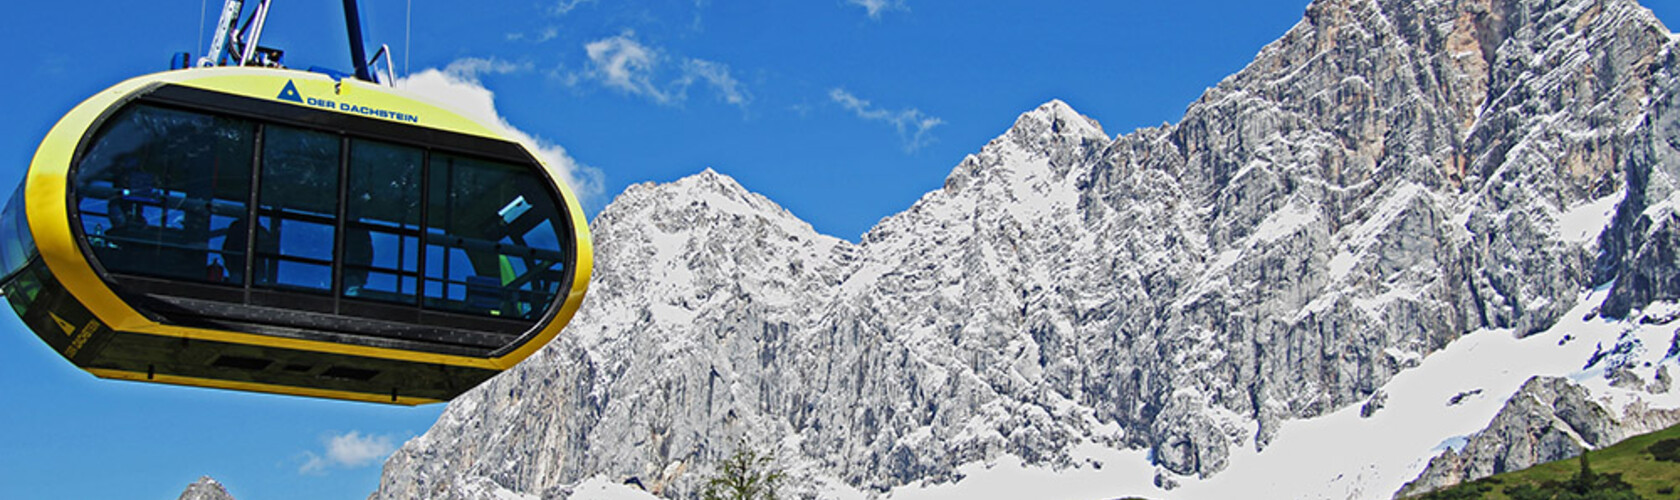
point(746, 475)
point(1584, 480)
point(1667, 450)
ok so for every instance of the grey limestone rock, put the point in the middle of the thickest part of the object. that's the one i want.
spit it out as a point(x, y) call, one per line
point(1385, 177)
point(1660, 382)
point(205, 488)
point(1549, 419)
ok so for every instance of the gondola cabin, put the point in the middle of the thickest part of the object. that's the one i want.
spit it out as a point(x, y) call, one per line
point(282, 231)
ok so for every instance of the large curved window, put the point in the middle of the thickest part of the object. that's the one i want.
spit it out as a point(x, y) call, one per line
point(159, 190)
point(343, 223)
point(491, 245)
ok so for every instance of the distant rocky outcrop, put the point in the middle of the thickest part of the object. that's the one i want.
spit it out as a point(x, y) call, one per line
point(1386, 177)
point(1549, 419)
point(205, 489)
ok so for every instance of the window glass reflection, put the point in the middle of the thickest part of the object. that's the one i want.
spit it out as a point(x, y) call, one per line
point(382, 226)
point(297, 207)
point(485, 250)
point(17, 244)
point(165, 193)
point(160, 189)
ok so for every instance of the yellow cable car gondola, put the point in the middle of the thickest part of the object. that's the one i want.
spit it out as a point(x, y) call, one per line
point(272, 230)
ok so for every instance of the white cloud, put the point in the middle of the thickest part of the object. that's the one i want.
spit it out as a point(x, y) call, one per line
point(563, 7)
point(352, 450)
point(912, 124)
point(717, 75)
point(625, 64)
point(457, 86)
point(876, 7)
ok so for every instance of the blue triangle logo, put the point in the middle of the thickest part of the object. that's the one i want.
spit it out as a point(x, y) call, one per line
point(290, 93)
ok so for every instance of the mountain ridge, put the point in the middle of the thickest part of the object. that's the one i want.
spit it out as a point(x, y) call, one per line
point(1386, 177)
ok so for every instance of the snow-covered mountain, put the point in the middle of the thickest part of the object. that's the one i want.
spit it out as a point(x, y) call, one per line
point(205, 488)
point(1389, 184)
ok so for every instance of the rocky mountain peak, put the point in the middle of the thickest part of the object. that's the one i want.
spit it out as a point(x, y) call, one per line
point(683, 239)
point(1388, 176)
point(1033, 160)
point(708, 192)
point(205, 488)
point(703, 205)
point(1055, 122)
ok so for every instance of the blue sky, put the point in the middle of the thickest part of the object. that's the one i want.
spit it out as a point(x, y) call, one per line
point(843, 111)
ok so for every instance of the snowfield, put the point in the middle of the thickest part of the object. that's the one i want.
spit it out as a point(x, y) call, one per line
point(1451, 394)
point(1341, 455)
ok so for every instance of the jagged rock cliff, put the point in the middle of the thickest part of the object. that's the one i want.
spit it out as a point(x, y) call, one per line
point(1387, 176)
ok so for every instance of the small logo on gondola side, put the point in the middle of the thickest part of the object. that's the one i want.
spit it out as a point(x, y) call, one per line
point(290, 93)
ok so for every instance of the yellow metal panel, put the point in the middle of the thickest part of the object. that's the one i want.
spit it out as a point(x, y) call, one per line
point(48, 212)
point(348, 96)
point(258, 387)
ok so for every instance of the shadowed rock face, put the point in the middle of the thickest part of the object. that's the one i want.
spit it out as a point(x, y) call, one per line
point(1385, 177)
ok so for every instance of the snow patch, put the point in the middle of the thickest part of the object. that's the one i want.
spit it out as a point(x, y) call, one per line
point(1286, 221)
point(1583, 222)
point(672, 315)
point(1100, 473)
point(601, 488)
point(1373, 306)
point(1342, 264)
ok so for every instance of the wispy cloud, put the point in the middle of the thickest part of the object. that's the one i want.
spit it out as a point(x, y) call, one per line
point(556, 9)
point(622, 63)
point(698, 24)
point(627, 65)
point(457, 86)
point(876, 7)
point(471, 68)
point(348, 451)
point(912, 124)
point(546, 34)
point(563, 7)
point(564, 75)
point(717, 76)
